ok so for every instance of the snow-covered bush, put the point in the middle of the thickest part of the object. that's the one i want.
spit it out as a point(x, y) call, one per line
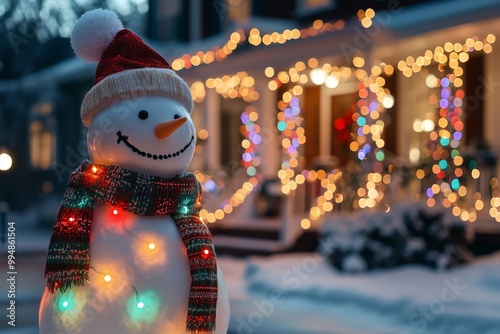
point(410, 233)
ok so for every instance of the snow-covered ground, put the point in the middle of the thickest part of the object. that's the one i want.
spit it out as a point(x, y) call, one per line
point(301, 293)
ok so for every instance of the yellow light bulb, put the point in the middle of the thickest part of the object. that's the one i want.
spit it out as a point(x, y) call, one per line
point(94, 169)
point(152, 246)
point(107, 278)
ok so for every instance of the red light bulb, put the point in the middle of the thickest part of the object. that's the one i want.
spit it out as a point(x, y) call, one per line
point(205, 253)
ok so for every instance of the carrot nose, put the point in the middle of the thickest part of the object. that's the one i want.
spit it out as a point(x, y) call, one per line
point(165, 129)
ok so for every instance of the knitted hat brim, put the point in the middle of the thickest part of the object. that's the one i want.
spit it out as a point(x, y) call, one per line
point(135, 83)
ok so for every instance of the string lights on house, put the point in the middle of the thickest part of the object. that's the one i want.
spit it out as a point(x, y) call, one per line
point(250, 130)
point(374, 98)
point(366, 17)
point(254, 38)
point(446, 128)
point(227, 206)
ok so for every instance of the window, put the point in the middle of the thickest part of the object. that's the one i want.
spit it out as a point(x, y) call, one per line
point(314, 4)
point(42, 138)
point(310, 7)
point(230, 136)
point(239, 10)
point(276, 8)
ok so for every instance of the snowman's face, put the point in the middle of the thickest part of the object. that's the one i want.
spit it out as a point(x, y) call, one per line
point(148, 134)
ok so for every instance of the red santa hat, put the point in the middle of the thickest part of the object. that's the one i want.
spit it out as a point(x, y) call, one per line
point(127, 66)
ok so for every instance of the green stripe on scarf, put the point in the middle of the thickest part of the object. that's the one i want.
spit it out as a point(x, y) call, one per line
point(68, 260)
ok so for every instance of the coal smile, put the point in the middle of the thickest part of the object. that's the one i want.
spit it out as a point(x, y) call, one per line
point(124, 139)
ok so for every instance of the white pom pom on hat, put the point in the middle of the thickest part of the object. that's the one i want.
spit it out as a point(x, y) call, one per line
point(93, 33)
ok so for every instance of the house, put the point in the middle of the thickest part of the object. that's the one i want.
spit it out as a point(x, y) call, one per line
point(278, 87)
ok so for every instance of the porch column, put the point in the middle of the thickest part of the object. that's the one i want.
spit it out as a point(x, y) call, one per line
point(492, 101)
point(212, 114)
point(405, 120)
point(325, 121)
point(270, 149)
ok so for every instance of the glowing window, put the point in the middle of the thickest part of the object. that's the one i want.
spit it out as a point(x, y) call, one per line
point(239, 10)
point(42, 142)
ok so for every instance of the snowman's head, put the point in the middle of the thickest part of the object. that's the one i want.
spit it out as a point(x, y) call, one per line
point(148, 134)
point(138, 110)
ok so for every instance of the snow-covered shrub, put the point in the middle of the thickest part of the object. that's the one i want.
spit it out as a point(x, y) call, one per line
point(410, 233)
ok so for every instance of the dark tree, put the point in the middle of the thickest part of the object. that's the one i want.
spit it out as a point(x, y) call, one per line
point(33, 33)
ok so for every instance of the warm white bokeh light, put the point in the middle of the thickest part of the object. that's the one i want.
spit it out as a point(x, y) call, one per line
point(417, 125)
point(5, 162)
point(388, 101)
point(414, 155)
point(332, 81)
point(318, 76)
point(427, 125)
point(431, 81)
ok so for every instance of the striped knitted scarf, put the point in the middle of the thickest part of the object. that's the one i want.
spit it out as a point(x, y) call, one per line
point(68, 260)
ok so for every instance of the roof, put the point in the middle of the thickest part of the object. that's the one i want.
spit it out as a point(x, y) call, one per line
point(401, 31)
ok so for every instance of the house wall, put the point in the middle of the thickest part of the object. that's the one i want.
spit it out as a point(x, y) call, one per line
point(492, 102)
point(492, 98)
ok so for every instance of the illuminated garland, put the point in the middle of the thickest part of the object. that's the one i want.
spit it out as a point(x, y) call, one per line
point(448, 170)
point(250, 159)
point(140, 305)
point(369, 127)
point(318, 27)
point(373, 100)
point(451, 54)
point(226, 86)
point(239, 85)
point(445, 141)
point(289, 123)
point(324, 201)
point(207, 57)
point(227, 206)
point(495, 200)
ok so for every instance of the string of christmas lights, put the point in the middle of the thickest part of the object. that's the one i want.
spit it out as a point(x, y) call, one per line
point(254, 38)
point(368, 123)
point(239, 85)
point(250, 130)
point(139, 306)
point(67, 300)
point(448, 172)
point(373, 97)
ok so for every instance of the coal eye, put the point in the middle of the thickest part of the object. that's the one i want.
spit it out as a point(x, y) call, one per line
point(143, 114)
point(177, 116)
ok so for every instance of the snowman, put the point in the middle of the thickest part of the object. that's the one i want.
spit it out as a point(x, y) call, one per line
point(128, 252)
